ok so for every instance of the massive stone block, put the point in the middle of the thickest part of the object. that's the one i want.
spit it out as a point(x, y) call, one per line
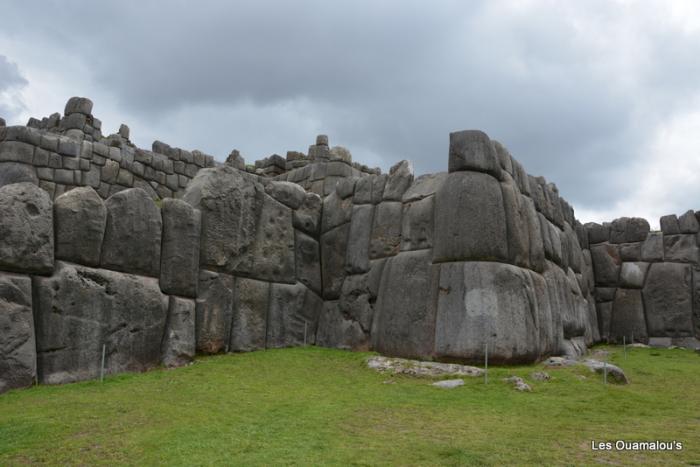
point(132, 234)
point(417, 224)
point(424, 186)
point(386, 230)
point(681, 248)
point(293, 315)
point(668, 300)
point(213, 310)
point(336, 211)
point(486, 303)
point(606, 264)
point(629, 229)
point(632, 275)
point(308, 217)
point(517, 224)
point(370, 190)
point(536, 242)
point(13, 172)
point(26, 229)
point(604, 310)
point(653, 248)
point(628, 317)
point(249, 326)
point(473, 150)
point(357, 256)
point(179, 265)
point(334, 245)
point(126, 313)
point(400, 178)
point(288, 193)
point(17, 343)
point(470, 222)
point(179, 340)
point(404, 322)
point(687, 223)
point(80, 219)
point(308, 261)
point(336, 330)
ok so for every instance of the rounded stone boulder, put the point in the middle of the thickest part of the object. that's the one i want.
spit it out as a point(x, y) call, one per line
point(81, 217)
point(26, 229)
point(81, 105)
point(473, 150)
point(13, 172)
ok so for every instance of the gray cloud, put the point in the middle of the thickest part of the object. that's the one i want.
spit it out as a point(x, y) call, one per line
point(10, 80)
point(575, 90)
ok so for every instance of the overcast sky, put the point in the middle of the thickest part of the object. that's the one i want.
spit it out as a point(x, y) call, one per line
point(600, 97)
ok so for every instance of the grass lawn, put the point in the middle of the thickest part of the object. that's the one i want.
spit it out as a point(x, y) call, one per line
point(315, 406)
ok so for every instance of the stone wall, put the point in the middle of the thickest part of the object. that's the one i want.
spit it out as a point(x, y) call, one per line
point(309, 249)
point(647, 282)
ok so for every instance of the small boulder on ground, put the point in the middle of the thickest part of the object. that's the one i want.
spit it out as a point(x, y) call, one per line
point(449, 383)
point(518, 383)
point(559, 361)
point(615, 373)
point(418, 368)
point(540, 376)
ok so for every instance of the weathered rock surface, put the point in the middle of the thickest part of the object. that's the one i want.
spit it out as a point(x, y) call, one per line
point(17, 342)
point(288, 193)
point(179, 264)
point(132, 234)
point(653, 247)
point(668, 300)
point(13, 172)
point(629, 229)
point(127, 314)
point(401, 366)
point(473, 150)
point(681, 248)
point(80, 218)
point(334, 244)
point(606, 264)
point(470, 222)
point(339, 331)
point(632, 275)
point(400, 178)
point(179, 340)
point(308, 261)
point(614, 373)
point(385, 238)
point(518, 383)
point(627, 318)
point(26, 229)
point(293, 316)
point(449, 383)
point(357, 259)
point(249, 326)
point(214, 308)
point(308, 217)
point(417, 224)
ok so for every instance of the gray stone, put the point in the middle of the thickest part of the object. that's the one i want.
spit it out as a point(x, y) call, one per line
point(669, 225)
point(335, 330)
point(482, 303)
point(249, 327)
point(473, 150)
point(92, 177)
point(26, 230)
point(606, 264)
point(288, 193)
point(81, 105)
point(632, 275)
point(370, 190)
point(132, 238)
point(424, 186)
point(614, 373)
point(341, 154)
point(293, 316)
point(653, 247)
point(681, 248)
point(504, 157)
point(64, 176)
point(604, 311)
point(688, 224)
point(628, 316)
point(17, 342)
point(322, 140)
point(126, 313)
point(179, 340)
point(628, 229)
point(308, 217)
point(16, 151)
point(402, 366)
point(110, 172)
point(385, 239)
point(214, 307)
point(345, 187)
point(333, 253)
point(597, 233)
point(356, 301)
point(357, 256)
point(124, 131)
point(179, 262)
point(449, 383)
point(668, 300)
point(69, 147)
point(308, 261)
point(417, 224)
point(400, 178)
point(470, 221)
point(517, 224)
point(336, 211)
point(404, 322)
point(80, 218)
point(631, 251)
point(12, 172)
point(518, 383)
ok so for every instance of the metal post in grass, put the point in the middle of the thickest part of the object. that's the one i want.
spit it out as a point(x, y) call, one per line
point(486, 363)
point(102, 365)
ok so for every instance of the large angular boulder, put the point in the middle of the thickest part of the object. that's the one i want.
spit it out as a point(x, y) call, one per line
point(400, 178)
point(404, 322)
point(653, 248)
point(179, 339)
point(132, 238)
point(249, 327)
point(213, 311)
point(357, 256)
point(334, 245)
point(26, 229)
point(417, 224)
point(126, 313)
point(370, 190)
point(386, 230)
point(606, 264)
point(486, 303)
point(17, 343)
point(424, 186)
point(335, 330)
point(687, 223)
point(293, 316)
point(473, 150)
point(627, 320)
point(307, 217)
point(308, 261)
point(669, 225)
point(668, 300)
point(336, 211)
point(632, 275)
point(288, 193)
point(470, 220)
point(517, 224)
point(681, 248)
point(80, 219)
point(14, 172)
point(179, 262)
point(629, 229)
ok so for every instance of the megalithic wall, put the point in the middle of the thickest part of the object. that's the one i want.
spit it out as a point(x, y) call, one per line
point(159, 255)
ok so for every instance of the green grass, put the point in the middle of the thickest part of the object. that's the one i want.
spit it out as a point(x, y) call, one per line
point(315, 406)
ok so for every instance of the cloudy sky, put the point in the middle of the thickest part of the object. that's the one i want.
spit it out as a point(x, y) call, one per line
point(600, 97)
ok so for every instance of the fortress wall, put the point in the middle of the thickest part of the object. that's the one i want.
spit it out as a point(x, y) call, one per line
point(312, 249)
point(646, 282)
